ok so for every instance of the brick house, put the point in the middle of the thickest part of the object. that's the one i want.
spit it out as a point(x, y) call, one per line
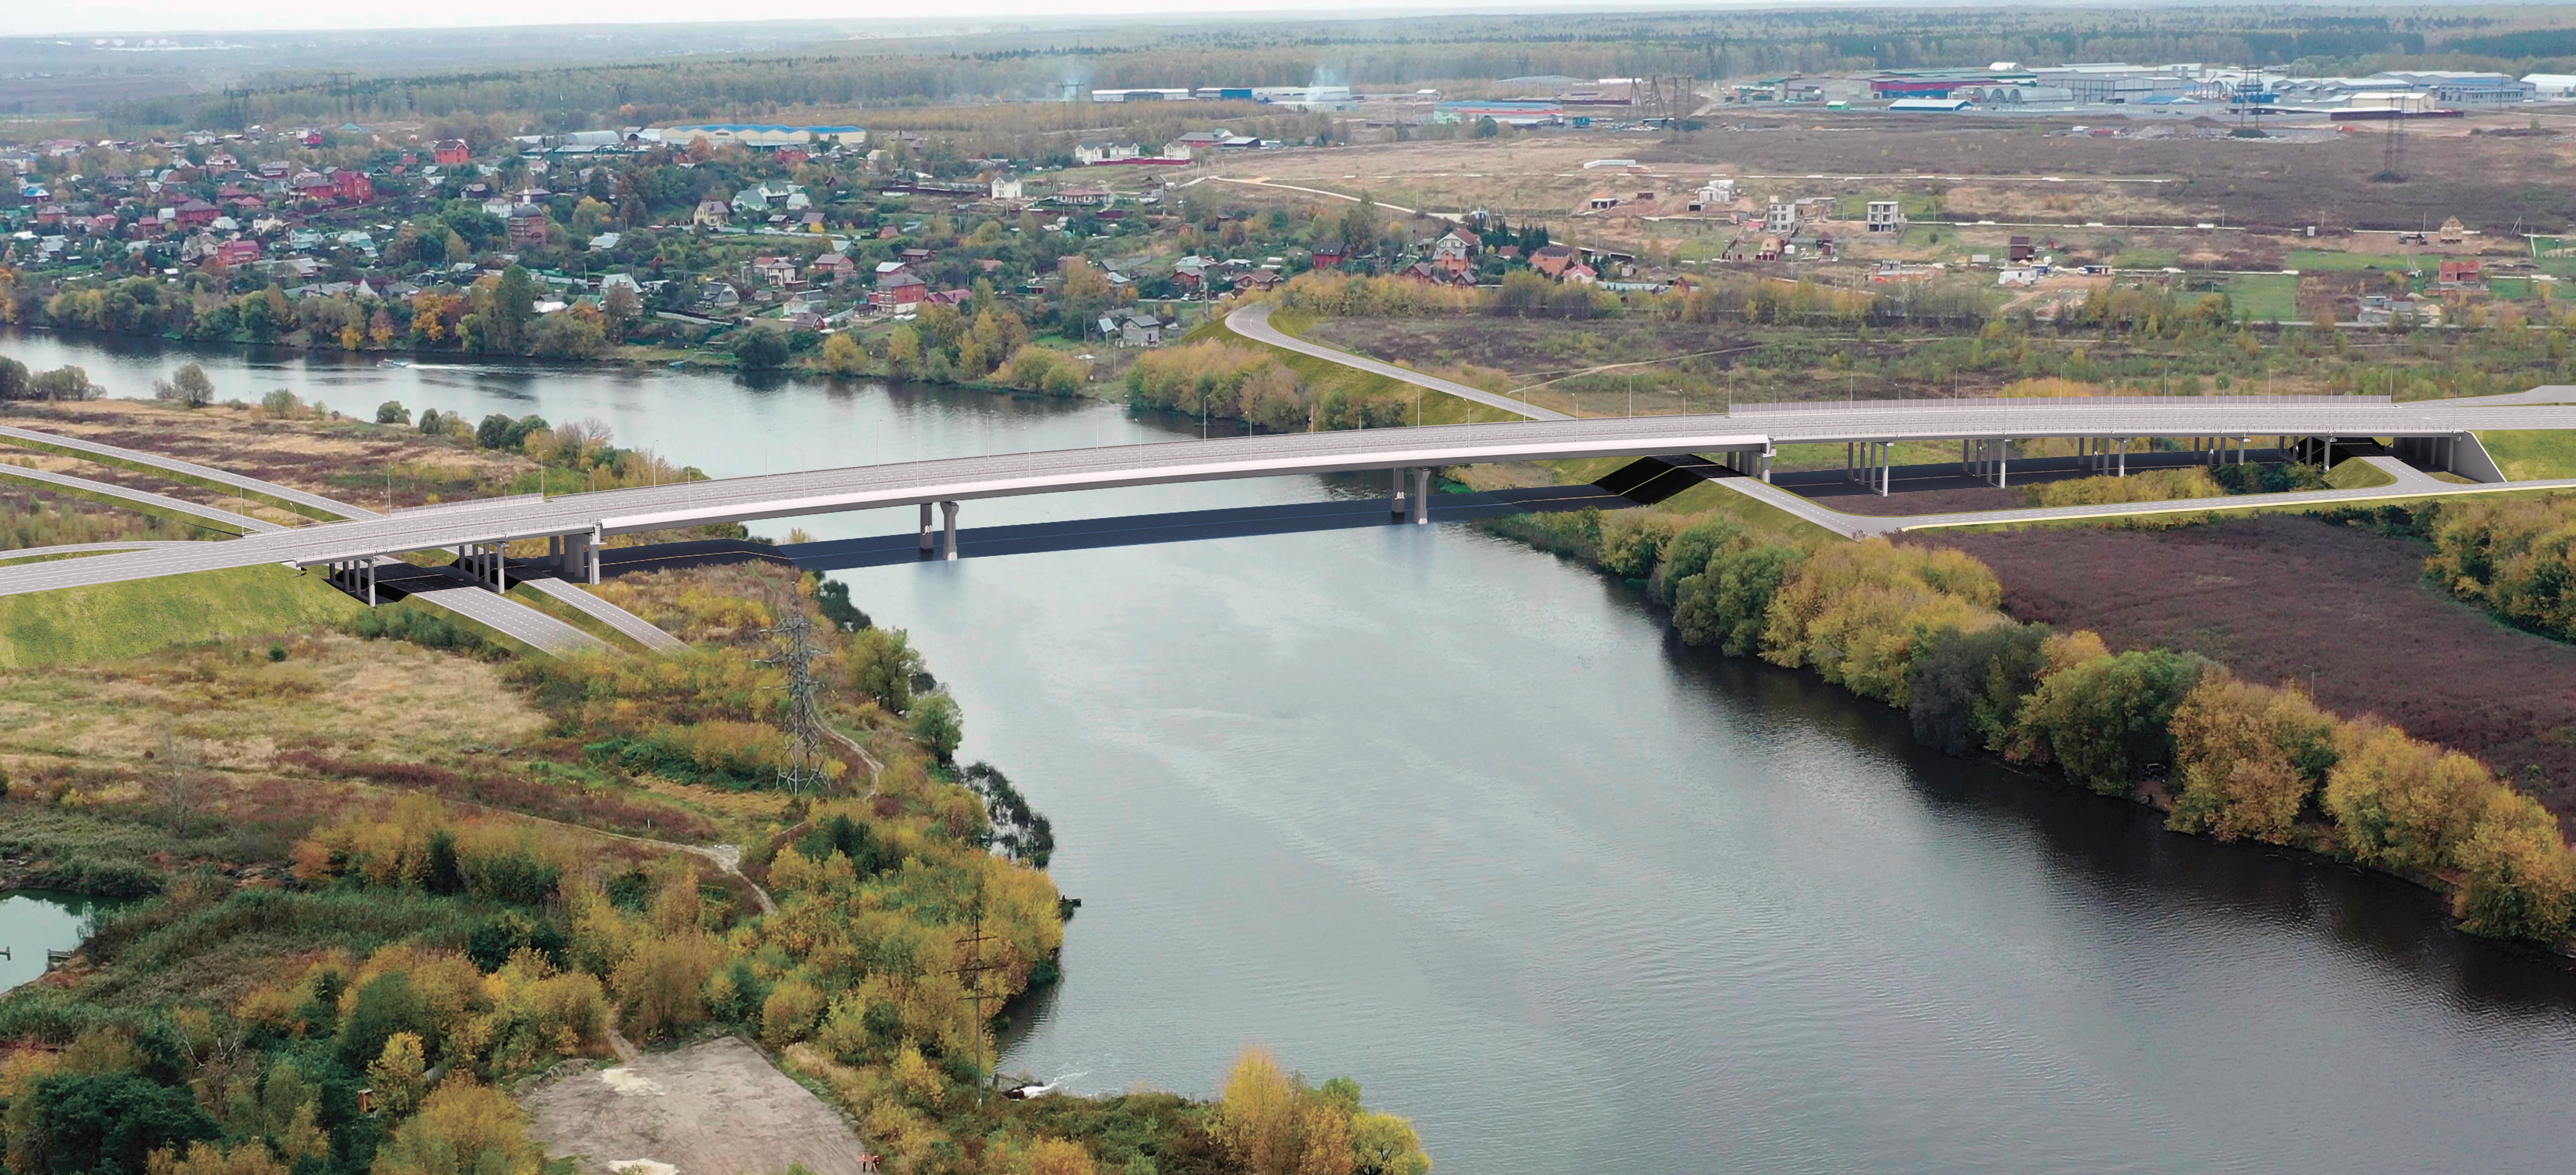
point(451, 152)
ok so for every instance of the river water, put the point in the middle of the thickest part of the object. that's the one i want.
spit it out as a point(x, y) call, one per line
point(1460, 820)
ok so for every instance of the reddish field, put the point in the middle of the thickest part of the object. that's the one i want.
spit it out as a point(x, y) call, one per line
point(2342, 609)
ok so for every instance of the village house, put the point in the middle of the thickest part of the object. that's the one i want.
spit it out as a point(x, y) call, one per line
point(898, 293)
point(772, 271)
point(1455, 253)
point(1579, 274)
point(1552, 260)
point(1092, 154)
point(1007, 187)
point(451, 152)
point(834, 268)
point(712, 214)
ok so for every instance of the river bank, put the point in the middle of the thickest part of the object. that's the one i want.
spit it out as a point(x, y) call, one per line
point(1920, 628)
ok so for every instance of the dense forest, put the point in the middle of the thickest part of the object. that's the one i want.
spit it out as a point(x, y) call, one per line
point(1457, 53)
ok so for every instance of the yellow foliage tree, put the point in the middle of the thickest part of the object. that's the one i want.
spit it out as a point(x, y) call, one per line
point(204, 1158)
point(463, 1128)
point(397, 1074)
point(1059, 1156)
point(2521, 881)
point(2402, 805)
point(2249, 756)
point(1258, 1116)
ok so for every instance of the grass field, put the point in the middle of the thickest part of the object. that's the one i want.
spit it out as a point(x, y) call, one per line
point(2146, 258)
point(2526, 456)
point(2264, 297)
point(139, 616)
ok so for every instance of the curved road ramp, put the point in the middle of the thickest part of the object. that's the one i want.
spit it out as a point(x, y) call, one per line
point(714, 1108)
point(450, 589)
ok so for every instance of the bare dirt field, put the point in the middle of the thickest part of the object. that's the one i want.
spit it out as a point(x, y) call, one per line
point(2342, 609)
point(2491, 181)
point(713, 1108)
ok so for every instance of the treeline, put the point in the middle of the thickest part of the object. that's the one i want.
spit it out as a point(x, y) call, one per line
point(493, 315)
point(1920, 629)
point(1724, 297)
point(1462, 53)
point(2516, 556)
point(1226, 382)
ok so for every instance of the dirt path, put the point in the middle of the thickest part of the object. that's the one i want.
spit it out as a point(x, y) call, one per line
point(726, 857)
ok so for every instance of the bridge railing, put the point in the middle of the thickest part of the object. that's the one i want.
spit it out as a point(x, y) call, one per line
point(1989, 403)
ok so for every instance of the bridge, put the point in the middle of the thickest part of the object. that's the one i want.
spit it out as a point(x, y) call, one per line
point(357, 547)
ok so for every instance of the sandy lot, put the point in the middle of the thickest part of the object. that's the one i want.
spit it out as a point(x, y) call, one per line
point(715, 1108)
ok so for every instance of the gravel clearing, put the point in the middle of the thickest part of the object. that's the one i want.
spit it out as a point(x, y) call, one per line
point(714, 1108)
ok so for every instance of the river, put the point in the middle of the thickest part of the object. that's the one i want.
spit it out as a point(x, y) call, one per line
point(1461, 820)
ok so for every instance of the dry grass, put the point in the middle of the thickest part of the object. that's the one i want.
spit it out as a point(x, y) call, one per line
point(379, 699)
point(343, 458)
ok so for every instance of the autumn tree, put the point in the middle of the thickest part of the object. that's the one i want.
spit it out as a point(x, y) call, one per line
point(2247, 758)
point(397, 1074)
point(2402, 805)
point(463, 1128)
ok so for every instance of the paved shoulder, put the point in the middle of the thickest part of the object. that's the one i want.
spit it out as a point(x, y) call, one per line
point(1253, 322)
point(186, 470)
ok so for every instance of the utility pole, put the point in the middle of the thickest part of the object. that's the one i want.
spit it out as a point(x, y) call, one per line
point(972, 971)
point(803, 772)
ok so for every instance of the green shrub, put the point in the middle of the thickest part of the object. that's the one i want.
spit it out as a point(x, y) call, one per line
point(1968, 685)
point(2107, 720)
point(1724, 605)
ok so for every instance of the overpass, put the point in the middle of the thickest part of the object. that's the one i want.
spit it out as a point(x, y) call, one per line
point(574, 525)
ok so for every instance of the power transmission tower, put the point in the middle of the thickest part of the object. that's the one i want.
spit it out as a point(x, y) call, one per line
point(972, 971)
point(2392, 148)
point(804, 719)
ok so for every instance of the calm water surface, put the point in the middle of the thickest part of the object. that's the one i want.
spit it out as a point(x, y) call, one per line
point(1460, 820)
point(33, 921)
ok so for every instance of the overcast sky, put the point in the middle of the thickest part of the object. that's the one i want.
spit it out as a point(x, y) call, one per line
point(25, 17)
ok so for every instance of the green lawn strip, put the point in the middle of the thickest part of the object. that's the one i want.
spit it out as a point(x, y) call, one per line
point(2359, 475)
point(2534, 455)
point(578, 618)
point(2147, 259)
point(108, 621)
point(2264, 297)
point(167, 474)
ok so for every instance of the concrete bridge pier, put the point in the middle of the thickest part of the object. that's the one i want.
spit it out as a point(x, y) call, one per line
point(925, 528)
point(1421, 494)
point(1396, 505)
point(948, 512)
point(575, 557)
point(356, 577)
point(486, 563)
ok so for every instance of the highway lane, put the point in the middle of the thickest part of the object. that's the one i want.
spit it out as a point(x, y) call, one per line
point(189, 471)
